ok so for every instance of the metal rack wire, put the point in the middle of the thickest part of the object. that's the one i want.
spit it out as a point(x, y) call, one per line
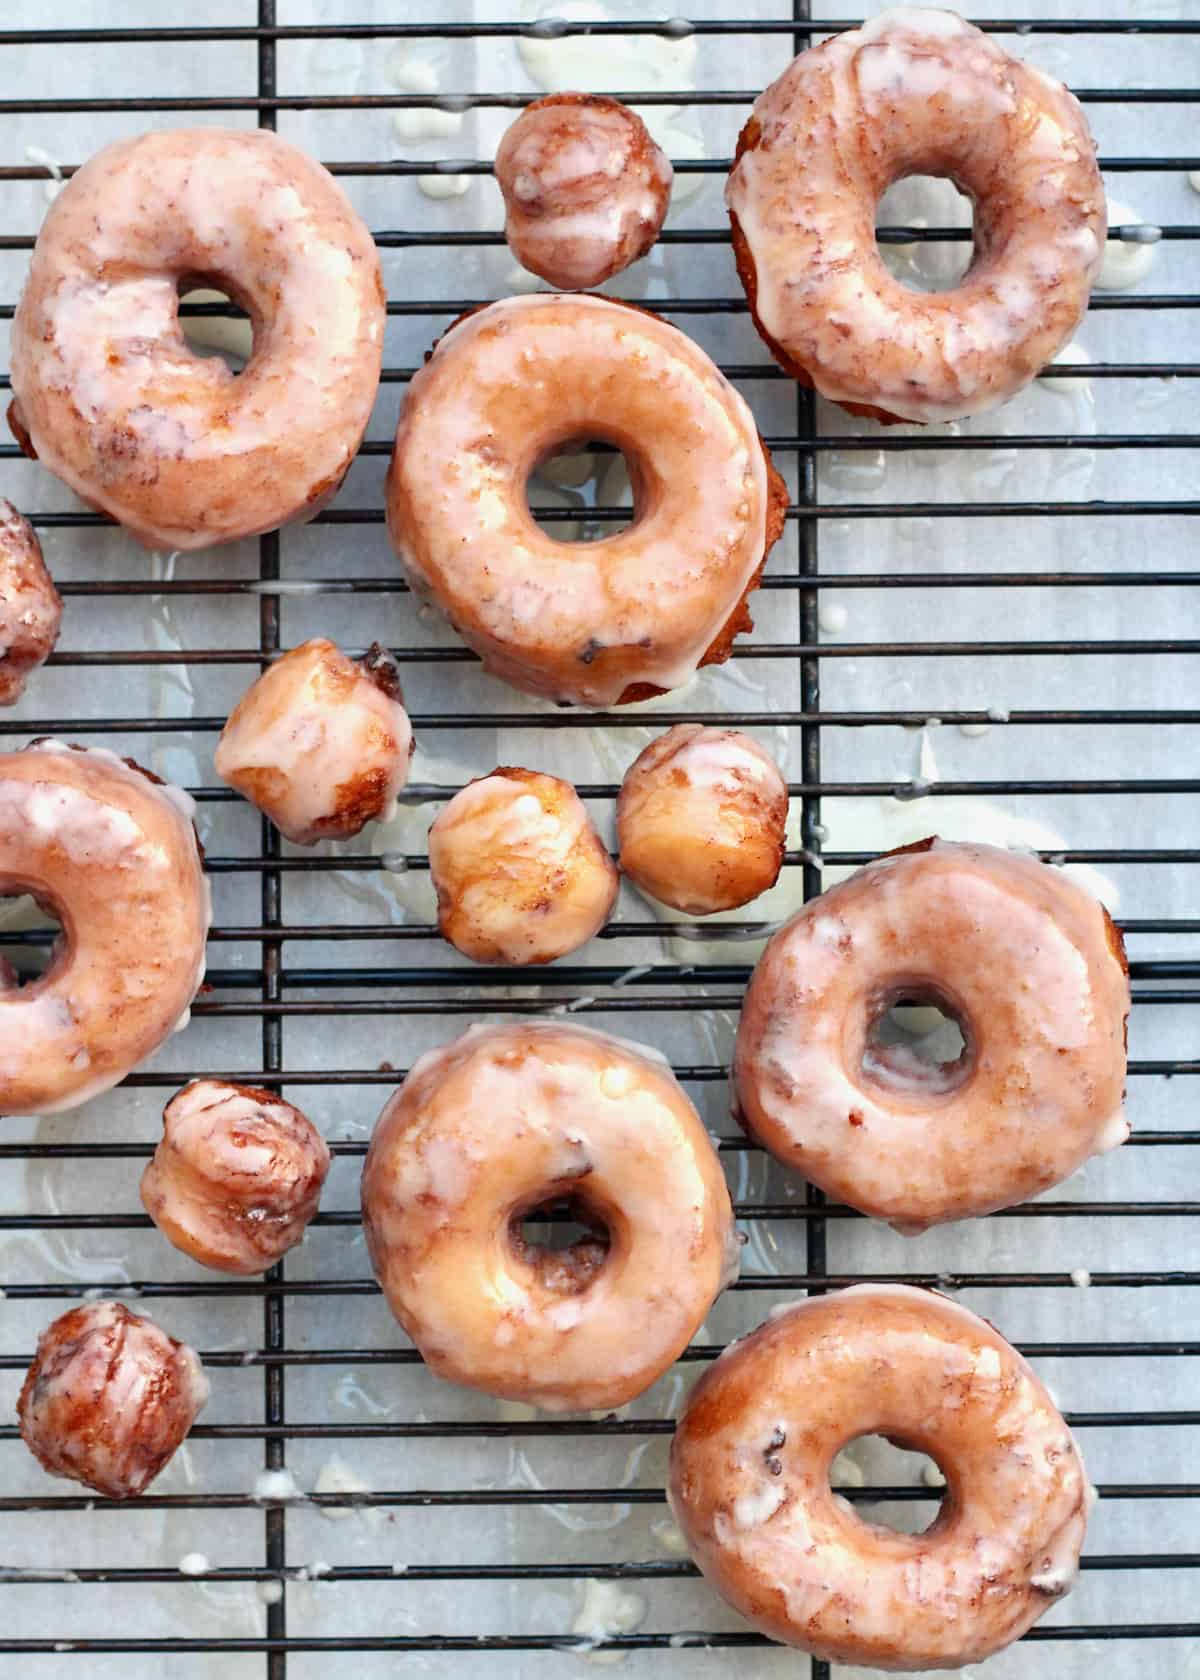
point(267, 992)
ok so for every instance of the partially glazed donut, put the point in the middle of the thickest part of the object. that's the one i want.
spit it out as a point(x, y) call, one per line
point(320, 742)
point(520, 873)
point(109, 1398)
point(596, 623)
point(585, 188)
point(508, 1120)
point(236, 1177)
point(701, 819)
point(915, 92)
point(112, 851)
point(108, 393)
point(1029, 966)
point(30, 607)
point(749, 1481)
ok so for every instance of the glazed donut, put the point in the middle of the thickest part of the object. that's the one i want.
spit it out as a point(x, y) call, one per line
point(509, 1120)
point(915, 92)
point(108, 1399)
point(701, 818)
point(749, 1481)
point(585, 188)
point(30, 607)
point(1027, 964)
point(520, 873)
point(594, 624)
point(236, 1176)
point(111, 851)
point(108, 393)
point(321, 743)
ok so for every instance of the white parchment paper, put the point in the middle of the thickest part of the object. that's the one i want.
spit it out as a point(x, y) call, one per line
point(1085, 409)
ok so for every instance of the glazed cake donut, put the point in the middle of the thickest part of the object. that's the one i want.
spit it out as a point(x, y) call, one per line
point(701, 818)
point(594, 624)
point(30, 608)
point(520, 873)
point(749, 1481)
point(111, 851)
point(321, 743)
point(508, 1120)
point(1029, 966)
point(109, 1398)
point(585, 188)
point(108, 393)
point(236, 1176)
point(915, 92)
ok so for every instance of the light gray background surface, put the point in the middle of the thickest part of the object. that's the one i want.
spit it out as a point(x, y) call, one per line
point(927, 686)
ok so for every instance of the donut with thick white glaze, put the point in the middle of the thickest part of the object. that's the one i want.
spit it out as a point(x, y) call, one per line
point(749, 1481)
point(915, 92)
point(1029, 966)
point(509, 1120)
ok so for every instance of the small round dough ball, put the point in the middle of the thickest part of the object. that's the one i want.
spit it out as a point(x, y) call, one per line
point(236, 1176)
point(701, 819)
point(520, 872)
point(321, 743)
point(585, 188)
point(108, 1399)
point(30, 606)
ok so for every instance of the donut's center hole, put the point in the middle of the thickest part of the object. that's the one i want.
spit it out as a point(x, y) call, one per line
point(906, 1483)
point(911, 224)
point(564, 1240)
point(214, 325)
point(582, 492)
point(916, 1040)
point(31, 936)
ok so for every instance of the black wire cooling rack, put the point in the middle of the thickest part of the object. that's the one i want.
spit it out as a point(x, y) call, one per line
point(276, 994)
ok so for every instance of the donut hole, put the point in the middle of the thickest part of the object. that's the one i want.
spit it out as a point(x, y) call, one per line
point(919, 203)
point(31, 937)
point(912, 1479)
point(569, 487)
point(916, 1039)
point(214, 324)
point(563, 1240)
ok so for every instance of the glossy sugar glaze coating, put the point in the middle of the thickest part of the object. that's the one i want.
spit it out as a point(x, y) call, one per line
point(320, 742)
point(30, 607)
point(749, 1481)
point(520, 873)
point(1034, 971)
point(915, 92)
point(113, 853)
point(236, 1177)
point(585, 188)
point(592, 624)
point(701, 819)
point(509, 1119)
point(107, 391)
point(109, 1398)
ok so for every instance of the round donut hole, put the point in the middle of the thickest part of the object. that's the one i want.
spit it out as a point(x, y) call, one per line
point(223, 331)
point(566, 488)
point(874, 1461)
point(563, 1240)
point(30, 938)
point(917, 1041)
point(921, 202)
